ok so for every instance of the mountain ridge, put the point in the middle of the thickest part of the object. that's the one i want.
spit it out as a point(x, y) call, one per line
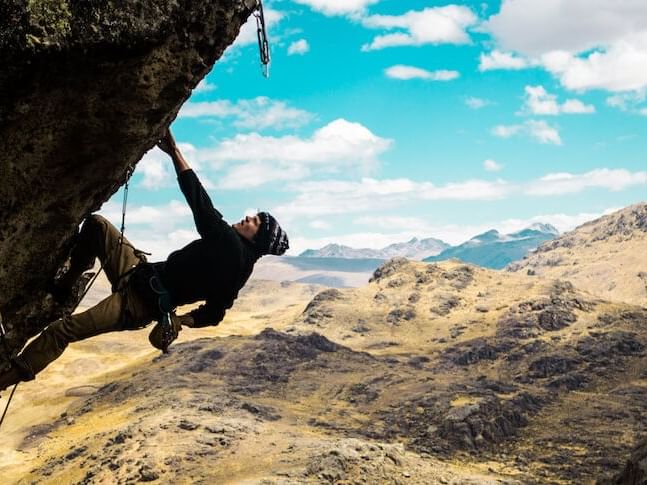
point(494, 250)
point(414, 249)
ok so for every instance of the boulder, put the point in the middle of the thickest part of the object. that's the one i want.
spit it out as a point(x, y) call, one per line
point(86, 88)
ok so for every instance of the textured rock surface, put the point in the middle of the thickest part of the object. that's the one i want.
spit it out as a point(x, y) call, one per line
point(86, 88)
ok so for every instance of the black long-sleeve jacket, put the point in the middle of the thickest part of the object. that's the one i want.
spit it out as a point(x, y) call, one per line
point(211, 269)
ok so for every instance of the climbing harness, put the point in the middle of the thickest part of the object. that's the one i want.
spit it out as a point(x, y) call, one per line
point(263, 44)
point(8, 354)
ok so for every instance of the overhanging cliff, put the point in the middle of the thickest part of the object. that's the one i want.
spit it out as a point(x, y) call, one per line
point(86, 88)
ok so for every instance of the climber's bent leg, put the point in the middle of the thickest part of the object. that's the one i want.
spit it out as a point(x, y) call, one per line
point(120, 311)
point(98, 238)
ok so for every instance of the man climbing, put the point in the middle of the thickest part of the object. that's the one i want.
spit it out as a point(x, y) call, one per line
point(212, 269)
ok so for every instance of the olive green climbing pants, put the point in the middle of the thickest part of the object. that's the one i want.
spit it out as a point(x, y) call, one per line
point(124, 309)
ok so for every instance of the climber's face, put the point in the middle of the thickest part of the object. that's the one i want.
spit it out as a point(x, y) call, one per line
point(248, 227)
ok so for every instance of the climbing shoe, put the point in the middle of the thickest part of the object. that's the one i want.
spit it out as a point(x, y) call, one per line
point(69, 288)
point(165, 332)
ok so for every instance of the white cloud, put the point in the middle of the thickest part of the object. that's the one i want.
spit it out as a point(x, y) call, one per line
point(410, 72)
point(319, 224)
point(543, 132)
point(477, 103)
point(539, 102)
point(567, 183)
point(435, 25)
point(155, 169)
point(340, 145)
point(627, 101)
point(391, 222)
point(155, 229)
point(204, 86)
point(331, 197)
point(298, 47)
point(534, 28)
point(166, 216)
point(257, 113)
point(539, 130)
point(501, 60)
point(248, 35)
point(492, 166)
point(605, 48)
point(618, 68)
point(338, 7)
point(643, 111)
point(506, 131)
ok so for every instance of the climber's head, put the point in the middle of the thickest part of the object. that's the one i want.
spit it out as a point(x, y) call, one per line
point(265, 232)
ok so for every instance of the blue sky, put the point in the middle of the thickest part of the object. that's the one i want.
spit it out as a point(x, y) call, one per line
point(383, 120)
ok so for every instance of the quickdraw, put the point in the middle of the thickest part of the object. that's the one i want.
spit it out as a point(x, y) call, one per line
point(263, 44)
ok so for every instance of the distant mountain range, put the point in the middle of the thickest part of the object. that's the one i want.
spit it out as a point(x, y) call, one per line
point(416, 249)
point(495, 250)
point(336, 265)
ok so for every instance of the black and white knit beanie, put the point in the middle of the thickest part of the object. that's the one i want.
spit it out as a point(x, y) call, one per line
point(271, 238)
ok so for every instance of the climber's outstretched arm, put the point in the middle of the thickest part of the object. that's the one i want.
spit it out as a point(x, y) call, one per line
point(168, 145)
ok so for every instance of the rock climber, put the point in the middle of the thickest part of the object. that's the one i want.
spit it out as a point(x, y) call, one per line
point(211, 269)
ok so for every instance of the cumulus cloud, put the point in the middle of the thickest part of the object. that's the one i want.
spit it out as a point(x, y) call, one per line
point(502, 60)
point(534, 28)
point(618, 68)
point(258, 113)
point(538, 130)
point(316, 199)
point(604, 49)
point(338, 7)
point(434, 25)
point(331, 197)
point(340, 145)
point(410, 72)
point(477, 103)
point(539, 102)
point(298, 47)
point(492, 166)
point(568, 183)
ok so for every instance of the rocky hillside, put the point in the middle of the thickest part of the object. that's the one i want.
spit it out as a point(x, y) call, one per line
point(434, 373)
point(87, 88)
point(495, 250)
point(606, 256)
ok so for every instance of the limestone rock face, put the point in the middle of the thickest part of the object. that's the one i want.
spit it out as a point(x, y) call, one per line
point(86, 88)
